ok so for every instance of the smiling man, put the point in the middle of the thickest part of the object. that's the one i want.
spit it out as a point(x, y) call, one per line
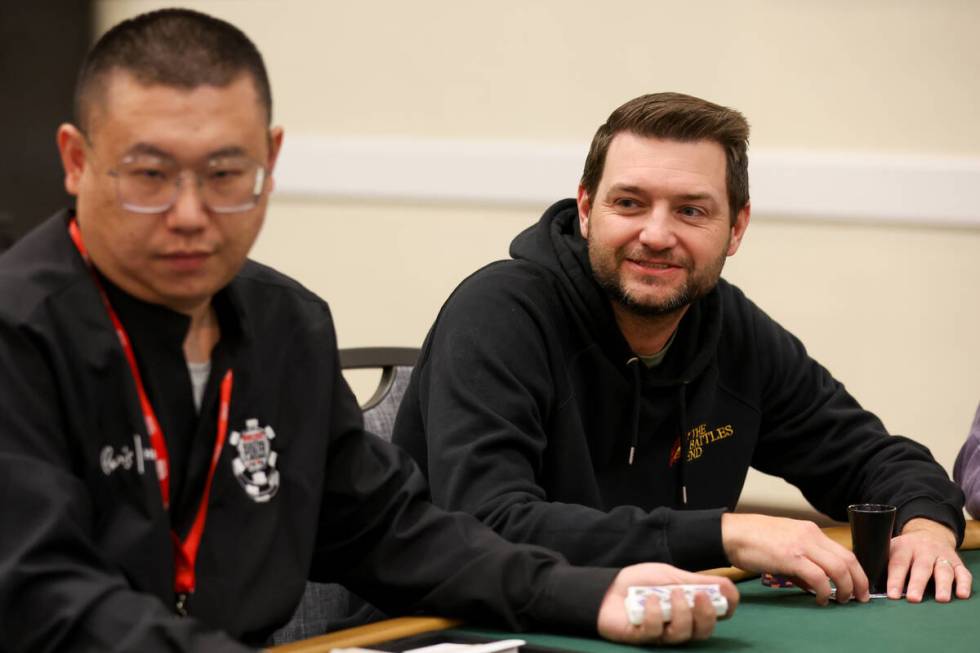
point(179, 452)
point(604, 392)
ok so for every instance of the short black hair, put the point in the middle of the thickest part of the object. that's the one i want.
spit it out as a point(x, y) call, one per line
point(174, 47)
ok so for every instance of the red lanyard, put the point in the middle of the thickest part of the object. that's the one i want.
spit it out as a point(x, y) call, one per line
point(185, 551)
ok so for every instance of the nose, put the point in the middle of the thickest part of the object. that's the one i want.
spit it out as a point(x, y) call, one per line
point(188, 212)
point(657, 231)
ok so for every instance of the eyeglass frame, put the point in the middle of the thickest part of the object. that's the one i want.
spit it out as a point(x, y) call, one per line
point(258, 188)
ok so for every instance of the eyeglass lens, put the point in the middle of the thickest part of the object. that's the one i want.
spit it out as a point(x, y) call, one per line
point(151, 185)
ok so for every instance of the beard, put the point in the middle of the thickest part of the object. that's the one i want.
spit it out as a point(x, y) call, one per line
point(606, 267)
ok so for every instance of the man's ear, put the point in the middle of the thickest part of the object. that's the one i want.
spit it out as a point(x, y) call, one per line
point(738, 229)
point(275, 145)
point(584, 208)
point(71, 147)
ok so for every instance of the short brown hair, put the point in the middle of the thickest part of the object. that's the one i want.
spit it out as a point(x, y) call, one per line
point(173, 47)
point(679, 117)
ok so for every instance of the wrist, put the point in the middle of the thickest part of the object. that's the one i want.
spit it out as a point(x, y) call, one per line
point(730, 538)
point(921, 524)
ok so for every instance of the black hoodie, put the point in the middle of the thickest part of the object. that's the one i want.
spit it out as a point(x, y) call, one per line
point(528, 409)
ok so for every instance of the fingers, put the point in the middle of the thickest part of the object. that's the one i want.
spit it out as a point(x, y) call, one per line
point(843, 568)
point(725, 585)
point(794, 548)
point(964, 580)
point(688, 622)
point(681, 620)
point(828, 561)
point(815, 578)
point(950, 573)
point(704, 617)
point(652, 629)
point(944, 575)
point(919, 575)
point(924, 553)
point(899, 561)
point(728, 590)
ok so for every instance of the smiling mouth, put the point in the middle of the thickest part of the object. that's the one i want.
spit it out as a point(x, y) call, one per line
point(653, 265)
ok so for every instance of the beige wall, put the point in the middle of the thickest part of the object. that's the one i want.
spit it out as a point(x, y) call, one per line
point(891, 310)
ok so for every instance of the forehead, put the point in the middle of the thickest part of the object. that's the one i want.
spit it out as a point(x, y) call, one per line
point(185, 123)
point(642, 161)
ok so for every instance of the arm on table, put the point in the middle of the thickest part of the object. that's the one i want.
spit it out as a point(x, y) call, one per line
point(842, 536)
point(612, 619)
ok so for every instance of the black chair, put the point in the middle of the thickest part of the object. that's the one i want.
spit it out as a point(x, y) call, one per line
point(329, 606)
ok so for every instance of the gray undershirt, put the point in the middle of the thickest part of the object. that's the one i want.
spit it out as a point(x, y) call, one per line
point(656, 359)
point(199, 380)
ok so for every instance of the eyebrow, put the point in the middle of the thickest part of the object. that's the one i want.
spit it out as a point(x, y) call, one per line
point(147, 149)
point(685, 197)
point(696, 197)
point(625, 188)
point(229, 151)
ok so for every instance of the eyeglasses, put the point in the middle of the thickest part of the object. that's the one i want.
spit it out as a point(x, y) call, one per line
point(149, 184)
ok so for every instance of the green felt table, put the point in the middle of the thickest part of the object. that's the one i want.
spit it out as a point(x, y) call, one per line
point(770, 619)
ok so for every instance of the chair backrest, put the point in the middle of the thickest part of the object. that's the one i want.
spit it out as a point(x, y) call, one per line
point(396, 365)
point(329, 606)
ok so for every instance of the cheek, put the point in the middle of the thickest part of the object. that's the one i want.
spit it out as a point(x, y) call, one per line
point(94, 197)
point(707, 247)
point(616, 235)
point(240, 237)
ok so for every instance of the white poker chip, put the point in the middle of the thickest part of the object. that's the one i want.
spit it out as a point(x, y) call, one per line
point(638, 595)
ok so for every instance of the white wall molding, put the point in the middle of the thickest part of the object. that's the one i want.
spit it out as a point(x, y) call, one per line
point(844, 186)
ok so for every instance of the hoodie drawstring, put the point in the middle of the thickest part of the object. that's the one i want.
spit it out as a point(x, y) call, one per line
point(637, 383)
point(634, 363)
point(685, 445)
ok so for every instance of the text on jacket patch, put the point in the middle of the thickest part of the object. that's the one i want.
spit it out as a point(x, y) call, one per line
point(700, 437)
point(111, 459)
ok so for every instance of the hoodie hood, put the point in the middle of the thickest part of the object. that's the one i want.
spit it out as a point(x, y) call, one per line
point(556, 243)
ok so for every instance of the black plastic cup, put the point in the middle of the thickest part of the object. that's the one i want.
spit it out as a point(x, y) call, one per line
point(871, 535)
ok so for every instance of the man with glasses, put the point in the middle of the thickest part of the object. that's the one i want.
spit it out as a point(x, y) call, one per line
point(179, 452)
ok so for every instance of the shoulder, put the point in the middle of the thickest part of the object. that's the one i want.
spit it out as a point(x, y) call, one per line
point(753, 344)
point(270, 297)
point(744, 320)
point(507, 309)
point(41, 266)
point(737, 306)
point(510, 283)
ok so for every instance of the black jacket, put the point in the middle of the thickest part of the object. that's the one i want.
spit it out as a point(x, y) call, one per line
point(530, 406)
point(85, 552)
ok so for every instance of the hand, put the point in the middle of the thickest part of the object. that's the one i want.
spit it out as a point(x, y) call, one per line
point(685, 622)
point(795, 548)
point(926, 549)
